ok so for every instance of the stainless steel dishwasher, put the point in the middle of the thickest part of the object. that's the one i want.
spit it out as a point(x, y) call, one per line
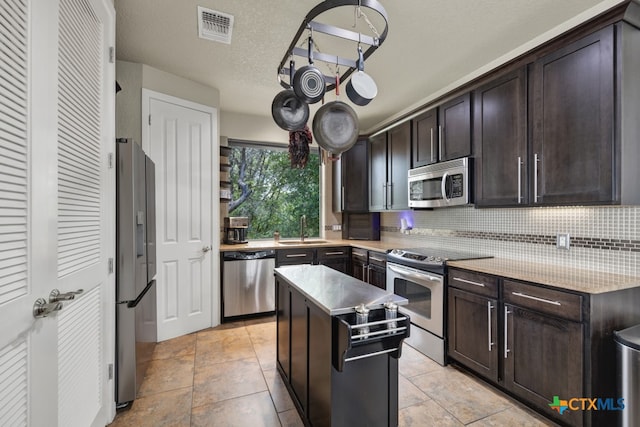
point(248, 284)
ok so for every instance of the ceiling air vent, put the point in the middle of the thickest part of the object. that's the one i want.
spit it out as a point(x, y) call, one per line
point(214, 25)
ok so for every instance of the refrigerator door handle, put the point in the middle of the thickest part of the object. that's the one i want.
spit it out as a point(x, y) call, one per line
point(135, 302)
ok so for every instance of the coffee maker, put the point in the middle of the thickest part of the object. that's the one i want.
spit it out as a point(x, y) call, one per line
point(235, 229)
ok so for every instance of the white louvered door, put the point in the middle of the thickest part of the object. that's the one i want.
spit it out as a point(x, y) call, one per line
point(81, 225)
point(57, 205)
point(16, 292)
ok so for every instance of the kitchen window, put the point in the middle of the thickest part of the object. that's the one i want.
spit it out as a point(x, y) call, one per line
point(265, 188)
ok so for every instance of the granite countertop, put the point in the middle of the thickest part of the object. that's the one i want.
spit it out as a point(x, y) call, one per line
point(573, 279)
point(373, 245)
point(334, 292)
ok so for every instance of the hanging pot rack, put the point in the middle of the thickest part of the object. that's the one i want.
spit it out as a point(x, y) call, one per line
point(308, 24)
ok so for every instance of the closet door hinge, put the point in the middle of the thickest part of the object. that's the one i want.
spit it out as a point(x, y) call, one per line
point(110, 160)
point(149, 119)
point(110, 266)
point(112, 54)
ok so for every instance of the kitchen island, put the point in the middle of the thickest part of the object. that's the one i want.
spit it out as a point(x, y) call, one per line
point(337, 372)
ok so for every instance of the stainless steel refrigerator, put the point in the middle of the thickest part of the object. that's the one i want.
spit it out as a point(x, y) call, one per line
point(136, 326)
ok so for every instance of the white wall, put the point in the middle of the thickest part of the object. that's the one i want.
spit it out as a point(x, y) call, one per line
point(132, 77)
point(247, 127)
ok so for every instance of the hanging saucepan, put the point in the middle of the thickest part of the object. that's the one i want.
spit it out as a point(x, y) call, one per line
point(335, 126)
point(288, 111)
point(308, 82)
point(361, 89)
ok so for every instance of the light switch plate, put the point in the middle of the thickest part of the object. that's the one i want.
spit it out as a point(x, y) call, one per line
point(562, 241)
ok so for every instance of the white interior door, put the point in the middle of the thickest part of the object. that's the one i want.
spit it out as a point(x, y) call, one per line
point(179, 141)
point(56, 127)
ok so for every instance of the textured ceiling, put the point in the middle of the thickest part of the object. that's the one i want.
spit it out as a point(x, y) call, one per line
point(431, 44)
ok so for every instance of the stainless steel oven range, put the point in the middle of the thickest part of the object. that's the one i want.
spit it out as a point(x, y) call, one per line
point(419, 274)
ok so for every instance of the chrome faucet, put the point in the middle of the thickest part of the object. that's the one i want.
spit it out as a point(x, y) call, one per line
point(303, 227)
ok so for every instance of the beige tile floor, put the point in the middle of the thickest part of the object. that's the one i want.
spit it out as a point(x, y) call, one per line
point(226, 376)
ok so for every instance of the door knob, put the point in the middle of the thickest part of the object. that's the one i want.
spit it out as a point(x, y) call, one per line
point(41, 308)
point(56, 295)
point(206, 249)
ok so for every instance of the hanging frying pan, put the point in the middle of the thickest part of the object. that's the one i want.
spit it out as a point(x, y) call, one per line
point(361, 89)
point(288, 111)
point(335, 125)
point(308, 82)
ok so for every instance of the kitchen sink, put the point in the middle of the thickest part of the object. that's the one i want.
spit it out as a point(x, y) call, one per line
point(298, 242)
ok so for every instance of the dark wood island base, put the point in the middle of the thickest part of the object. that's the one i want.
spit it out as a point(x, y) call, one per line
point(338, 373)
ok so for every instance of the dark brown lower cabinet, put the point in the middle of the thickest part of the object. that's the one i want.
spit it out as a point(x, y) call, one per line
point(473, 332)
point(377, 276)
point(543, 359)
point(359, 264)
point(537, 342)
point(336, 258)
point(369, 266)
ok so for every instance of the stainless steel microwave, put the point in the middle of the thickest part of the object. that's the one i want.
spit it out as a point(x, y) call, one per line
point(440, 184)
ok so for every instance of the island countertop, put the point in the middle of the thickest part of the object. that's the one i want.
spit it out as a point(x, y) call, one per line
point(334, 292)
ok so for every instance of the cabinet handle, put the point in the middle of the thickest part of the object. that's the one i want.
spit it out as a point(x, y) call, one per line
point(369, 274)
point(519, 179)
point(489, 308)
point(342, 206)
point(335, 253)
point(457, 279)
point(546, 301)
point(384, 196)
point(364, 274)
point(506, 329)
point(439, 142)
point(296, 256)
point(432, 156)
point(536, 159)
point(377, 259)
point(390, 197)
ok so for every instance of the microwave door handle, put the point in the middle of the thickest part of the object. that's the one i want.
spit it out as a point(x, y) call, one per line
point(443, 187)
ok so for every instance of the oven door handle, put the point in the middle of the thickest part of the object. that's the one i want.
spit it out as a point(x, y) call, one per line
point(416, 276)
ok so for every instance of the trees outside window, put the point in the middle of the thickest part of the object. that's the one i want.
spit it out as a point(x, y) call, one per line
point(273, 195)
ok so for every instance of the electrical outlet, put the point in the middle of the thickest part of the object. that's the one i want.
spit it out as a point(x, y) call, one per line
point(562, 241)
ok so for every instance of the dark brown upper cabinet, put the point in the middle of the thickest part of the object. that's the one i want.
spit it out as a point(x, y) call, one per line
point(500, 138)
point(584, 127)
point(389, 162)
point(442, 133)
point(424, 148)
point(572, 122)
point(565, 132)
point(350, 174)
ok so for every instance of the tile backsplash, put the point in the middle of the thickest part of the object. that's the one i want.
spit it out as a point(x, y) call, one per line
point(601, 238)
